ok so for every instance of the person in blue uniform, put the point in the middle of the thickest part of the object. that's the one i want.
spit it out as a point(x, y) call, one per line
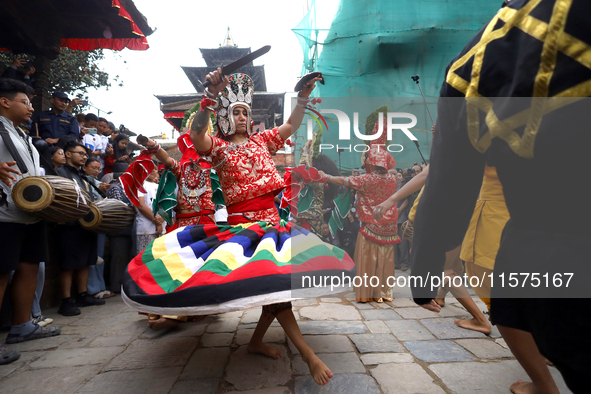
point(55, 123)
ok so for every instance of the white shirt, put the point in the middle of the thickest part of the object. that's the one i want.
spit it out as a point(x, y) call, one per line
point(90, 141)
point(96, 142)
point(144, 226)
point(9, 212)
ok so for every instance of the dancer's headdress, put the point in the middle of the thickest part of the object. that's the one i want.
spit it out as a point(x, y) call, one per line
point(377, 155)
point(239, 91)
point(311, 149)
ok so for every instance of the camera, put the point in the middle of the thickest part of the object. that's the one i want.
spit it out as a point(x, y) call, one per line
point(415, 78)
point(84, 102)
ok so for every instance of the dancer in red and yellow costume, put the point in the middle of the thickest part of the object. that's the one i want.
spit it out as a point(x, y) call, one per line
point(374, 250)
point(249, 182)
point(254, 260)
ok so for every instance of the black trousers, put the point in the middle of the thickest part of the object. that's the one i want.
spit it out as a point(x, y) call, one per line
point(120, 257)
point(402, 251)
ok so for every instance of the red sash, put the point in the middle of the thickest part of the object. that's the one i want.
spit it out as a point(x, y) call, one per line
point(193, 214)
point(266, 201)
point(261, 203)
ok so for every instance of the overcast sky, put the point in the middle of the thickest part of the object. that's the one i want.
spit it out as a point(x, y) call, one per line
point(184, 26)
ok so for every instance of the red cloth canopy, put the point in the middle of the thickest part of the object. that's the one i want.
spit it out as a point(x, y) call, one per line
point(117, 44)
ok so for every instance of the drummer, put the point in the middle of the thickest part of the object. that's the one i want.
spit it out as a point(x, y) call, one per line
point(23, 239)
point(77, 246)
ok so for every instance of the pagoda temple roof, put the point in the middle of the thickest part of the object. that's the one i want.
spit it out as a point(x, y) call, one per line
point(215, 56)
point(173, 98)
point(267, 107)
point(197, 75)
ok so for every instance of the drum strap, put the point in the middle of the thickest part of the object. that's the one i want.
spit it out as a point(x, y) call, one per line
point(49, 170)
point(12, 149)
point(100, 192)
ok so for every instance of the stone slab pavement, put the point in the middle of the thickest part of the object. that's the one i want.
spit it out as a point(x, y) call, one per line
point(372, 348)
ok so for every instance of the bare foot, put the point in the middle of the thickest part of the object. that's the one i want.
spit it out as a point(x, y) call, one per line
point(521, 387)
point(440, 302)
point(432, 306)
point(261, 348)
point(319, 370)
point(473, 324)
point(162, 323)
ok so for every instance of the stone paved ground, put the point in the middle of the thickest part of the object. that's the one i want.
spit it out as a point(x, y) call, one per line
point(372, 348)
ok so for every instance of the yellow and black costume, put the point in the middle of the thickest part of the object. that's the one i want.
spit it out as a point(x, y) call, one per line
point(536, 56)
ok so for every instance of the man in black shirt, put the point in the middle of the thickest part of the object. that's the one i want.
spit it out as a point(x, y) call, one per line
point(77, 246)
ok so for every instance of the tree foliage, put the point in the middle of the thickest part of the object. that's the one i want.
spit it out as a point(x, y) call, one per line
point(72, 72)
point(77, 71)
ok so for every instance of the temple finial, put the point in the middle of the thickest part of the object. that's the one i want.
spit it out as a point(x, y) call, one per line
point(228, 41)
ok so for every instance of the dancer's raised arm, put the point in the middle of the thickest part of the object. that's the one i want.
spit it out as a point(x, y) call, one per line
point(201, 140)
point(297, 115)
point(155, 149)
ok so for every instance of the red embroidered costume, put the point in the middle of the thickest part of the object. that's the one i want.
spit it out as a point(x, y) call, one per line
point(247, 173)
point(374, 249)
point(373, 190)
point(194, 187)
point(248, 176)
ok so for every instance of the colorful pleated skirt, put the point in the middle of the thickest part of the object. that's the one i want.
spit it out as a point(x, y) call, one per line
point(209, 269)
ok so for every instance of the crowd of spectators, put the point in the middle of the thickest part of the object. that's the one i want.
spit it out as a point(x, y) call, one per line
point(93, 153)
point(96, 154)
point(22, 70)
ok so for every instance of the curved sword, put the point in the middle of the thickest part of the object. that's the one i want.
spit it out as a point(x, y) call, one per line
point(230, 68)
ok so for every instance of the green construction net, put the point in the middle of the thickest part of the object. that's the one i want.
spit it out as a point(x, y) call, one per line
point(368, 51)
